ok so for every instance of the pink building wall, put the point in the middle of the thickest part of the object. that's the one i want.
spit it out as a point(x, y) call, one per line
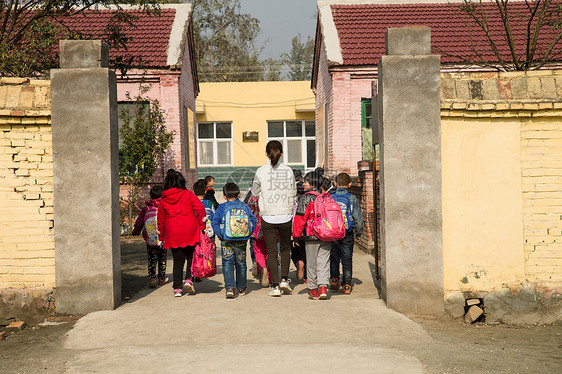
point(173, 89)
point(188, 90)
point(342, 88)
point(323, 92)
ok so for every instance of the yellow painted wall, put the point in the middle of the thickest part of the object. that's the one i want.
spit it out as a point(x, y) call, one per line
point(502, 179)
point(249, 105)
point(482, 203)
point(27, 246)
point(502, 198)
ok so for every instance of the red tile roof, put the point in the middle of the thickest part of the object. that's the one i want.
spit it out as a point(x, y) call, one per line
point(361, 29)
point(150, 34)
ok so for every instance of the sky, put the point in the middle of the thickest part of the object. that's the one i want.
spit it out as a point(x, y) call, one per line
point(280, 21)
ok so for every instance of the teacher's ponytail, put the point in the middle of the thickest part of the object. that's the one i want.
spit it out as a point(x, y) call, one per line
point(274, 150)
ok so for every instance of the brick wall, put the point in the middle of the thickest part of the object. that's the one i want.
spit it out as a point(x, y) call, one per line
point(541, 173)
point(362, 188)
point(346, 148)
point(27, 251)
point(533, 100)
point(187, 92)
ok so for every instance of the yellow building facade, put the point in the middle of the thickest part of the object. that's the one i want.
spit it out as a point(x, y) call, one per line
point(235, 121)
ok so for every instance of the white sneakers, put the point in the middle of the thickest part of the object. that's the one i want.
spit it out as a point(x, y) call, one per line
point(275, 291)
point(282, 288)
point(284, 285)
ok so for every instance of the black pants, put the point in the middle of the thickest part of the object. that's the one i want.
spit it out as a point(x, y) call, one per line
point(181, 256)
point(298, 253)
point(270, 231)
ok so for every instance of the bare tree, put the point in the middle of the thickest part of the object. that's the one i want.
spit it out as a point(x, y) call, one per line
point(530, 29)
point(29, 29)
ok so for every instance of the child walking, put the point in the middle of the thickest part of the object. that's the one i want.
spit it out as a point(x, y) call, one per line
point(234, 224)
point(342, 250)
point(210, 192)
point(317, 251)
point(146, 223)
point(199, 191)
point(180, 219)
point(260, 250)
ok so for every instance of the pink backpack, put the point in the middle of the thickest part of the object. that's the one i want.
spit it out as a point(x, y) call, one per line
point(326, 220)
point(204, 263)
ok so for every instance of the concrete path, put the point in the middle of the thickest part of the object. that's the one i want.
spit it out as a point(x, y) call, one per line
point(206, 333)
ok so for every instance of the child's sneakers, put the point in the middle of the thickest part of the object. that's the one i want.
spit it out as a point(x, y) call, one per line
point(334, 283)
point(230, 293)
point(284, 286)
point(162, 281)
point(188, 287)
point(152, 283)
point(346, 289)
point(275, 291)
point(177, 292)
point(313, 294)
point(323, 292)
point(241, 292)
point(264, 277)
point(255, 270)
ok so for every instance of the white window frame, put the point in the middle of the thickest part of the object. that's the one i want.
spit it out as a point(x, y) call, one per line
point(214, 140)
point(304, 138)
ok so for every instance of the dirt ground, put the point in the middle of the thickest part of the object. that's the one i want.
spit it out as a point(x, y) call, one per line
point(457, 348)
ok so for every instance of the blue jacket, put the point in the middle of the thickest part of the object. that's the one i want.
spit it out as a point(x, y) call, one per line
point(355, 211)
point(221, 211)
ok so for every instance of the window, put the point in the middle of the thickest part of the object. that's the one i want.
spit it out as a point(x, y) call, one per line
point(132, 109)
point(366, 129)
point(214, 143)
point(366, 113)
point(298, 139)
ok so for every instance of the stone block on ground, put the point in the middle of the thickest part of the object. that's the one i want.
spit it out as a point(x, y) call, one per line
point(474, 312)
point(454, 305)
point(471, 302)
point(16, 326)
point(456, 311)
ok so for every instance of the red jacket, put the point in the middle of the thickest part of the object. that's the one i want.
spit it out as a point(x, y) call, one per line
point(180, 218)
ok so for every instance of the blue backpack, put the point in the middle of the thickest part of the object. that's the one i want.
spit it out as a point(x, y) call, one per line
point(344, 202)
point(236, 224)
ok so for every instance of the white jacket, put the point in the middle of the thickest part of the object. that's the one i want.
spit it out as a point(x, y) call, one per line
point(275, 186)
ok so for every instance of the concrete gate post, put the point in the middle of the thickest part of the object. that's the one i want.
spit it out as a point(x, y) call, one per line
point(410, 184)
point(86, 179)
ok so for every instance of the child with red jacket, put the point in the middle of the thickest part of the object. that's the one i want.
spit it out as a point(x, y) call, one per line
point(180, 218)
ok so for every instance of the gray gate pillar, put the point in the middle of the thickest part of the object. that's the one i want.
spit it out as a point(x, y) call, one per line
point(86, 179)
point(410, 187)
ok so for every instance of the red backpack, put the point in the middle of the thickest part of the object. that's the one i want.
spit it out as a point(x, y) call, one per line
point(325, 219)
point(204, 263)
